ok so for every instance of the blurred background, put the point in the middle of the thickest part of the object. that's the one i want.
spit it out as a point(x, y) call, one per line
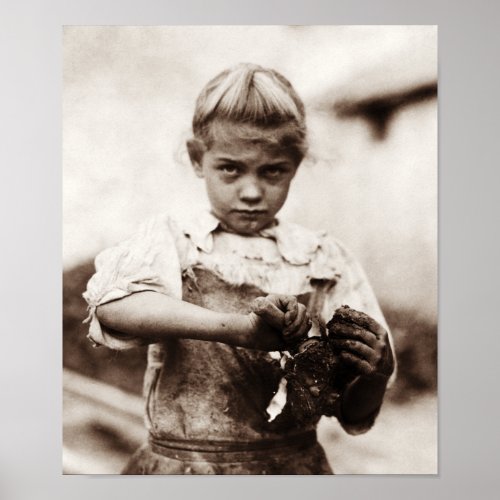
point(370, 178)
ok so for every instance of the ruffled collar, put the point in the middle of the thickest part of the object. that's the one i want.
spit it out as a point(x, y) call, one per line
point(296, 244)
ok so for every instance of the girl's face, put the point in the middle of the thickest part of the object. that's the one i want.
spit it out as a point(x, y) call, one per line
point(247, 175)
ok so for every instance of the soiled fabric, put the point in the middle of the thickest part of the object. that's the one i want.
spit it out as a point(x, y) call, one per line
point(292, 458)
point(206, 401)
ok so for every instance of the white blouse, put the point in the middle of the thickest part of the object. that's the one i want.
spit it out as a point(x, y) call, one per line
point(282, 259)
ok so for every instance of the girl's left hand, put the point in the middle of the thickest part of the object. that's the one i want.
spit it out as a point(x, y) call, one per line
point(361, 342)
point(285, 313)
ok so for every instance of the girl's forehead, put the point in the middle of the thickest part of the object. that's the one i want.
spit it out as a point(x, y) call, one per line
point(249, 153)
point(232, 137)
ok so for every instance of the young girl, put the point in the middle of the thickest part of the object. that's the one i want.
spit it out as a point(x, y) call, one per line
point(217, 293)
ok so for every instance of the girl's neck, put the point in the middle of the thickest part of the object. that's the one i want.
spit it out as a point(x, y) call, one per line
point(224, 227)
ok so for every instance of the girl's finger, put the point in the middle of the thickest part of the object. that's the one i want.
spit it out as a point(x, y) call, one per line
point(355, 347)
point(285, 303)
point(291, 315)
point(361, 365)
point(300, 326)
point(268, 312)
point(290, 305)
point(301, 318)
point(346, 331)
point(298, 334)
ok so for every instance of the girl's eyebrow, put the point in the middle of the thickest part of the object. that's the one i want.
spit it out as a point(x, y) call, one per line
point(230, 160)
point(277, 163)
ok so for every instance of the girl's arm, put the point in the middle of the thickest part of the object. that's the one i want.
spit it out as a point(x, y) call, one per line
point(157, 317)
point(363, 398)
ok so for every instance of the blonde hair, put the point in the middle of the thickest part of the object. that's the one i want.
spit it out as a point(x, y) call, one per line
point(251, 94)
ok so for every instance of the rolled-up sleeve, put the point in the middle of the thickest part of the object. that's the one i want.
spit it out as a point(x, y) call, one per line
point(148, 261)
point(352, 288)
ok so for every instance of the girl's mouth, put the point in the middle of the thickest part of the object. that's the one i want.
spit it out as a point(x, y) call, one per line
point(250, 216)
point(250, 213)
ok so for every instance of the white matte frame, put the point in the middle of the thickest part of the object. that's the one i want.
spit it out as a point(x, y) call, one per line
point(31, 84)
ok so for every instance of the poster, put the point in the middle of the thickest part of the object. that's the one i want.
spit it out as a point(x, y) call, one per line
point(369, 178)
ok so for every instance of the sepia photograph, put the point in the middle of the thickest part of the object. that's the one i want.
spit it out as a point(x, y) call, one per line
point(250, 250)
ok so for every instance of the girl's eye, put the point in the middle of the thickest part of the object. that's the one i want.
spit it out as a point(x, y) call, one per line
point(229, 169)
point(273, 172)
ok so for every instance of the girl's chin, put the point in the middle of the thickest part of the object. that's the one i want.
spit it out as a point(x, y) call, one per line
point(244, 227)
point(247, 229)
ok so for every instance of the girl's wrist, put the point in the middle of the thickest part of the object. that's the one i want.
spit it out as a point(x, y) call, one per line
point(362, 397)
point(236, 329)
point(251, 332)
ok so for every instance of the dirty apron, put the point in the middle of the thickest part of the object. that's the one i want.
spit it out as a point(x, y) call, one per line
point(206, 401)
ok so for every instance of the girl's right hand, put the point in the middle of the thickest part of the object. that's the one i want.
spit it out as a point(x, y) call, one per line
point(278, 321)
point(259, 334)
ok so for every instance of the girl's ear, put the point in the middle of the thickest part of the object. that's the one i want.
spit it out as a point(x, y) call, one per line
point(196, 149)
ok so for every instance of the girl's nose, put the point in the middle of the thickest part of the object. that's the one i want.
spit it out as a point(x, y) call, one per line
point(251, 192)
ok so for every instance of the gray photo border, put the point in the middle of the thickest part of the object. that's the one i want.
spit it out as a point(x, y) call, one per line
point(31, 359)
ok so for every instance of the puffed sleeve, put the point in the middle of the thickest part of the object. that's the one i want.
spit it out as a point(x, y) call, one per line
point(351, 287)
point(149, 260)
